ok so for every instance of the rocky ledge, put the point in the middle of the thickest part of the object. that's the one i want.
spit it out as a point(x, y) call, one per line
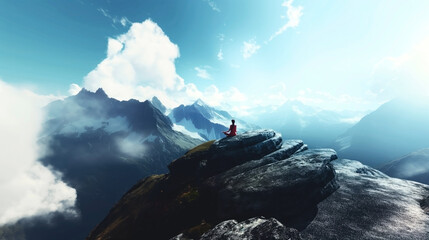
point(251, 174)
point(257, 186)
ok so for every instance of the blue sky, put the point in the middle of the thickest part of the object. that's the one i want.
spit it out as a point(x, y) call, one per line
point(333, 54)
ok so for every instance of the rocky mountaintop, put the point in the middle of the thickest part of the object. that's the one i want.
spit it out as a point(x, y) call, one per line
point(251, 174)
point(257, 186)
point(158, 104)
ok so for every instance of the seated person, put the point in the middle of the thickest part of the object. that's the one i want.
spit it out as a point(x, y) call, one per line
point(232, 131)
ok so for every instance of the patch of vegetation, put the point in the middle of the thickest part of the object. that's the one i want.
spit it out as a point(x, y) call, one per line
point(196, 231)
point(203, 147)
point(189, 195)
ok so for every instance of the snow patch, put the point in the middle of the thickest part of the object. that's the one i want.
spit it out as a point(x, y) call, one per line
point(189, 126)
point(182, 129)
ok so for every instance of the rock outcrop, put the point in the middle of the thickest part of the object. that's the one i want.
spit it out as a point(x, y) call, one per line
point(251, 229)
point(220, 190)
point(371, 205)
point(251, 174)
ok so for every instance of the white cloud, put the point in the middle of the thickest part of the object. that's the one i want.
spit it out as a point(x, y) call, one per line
point(249, 48)
point(213, 5)
point(212, 96)
point(74, 89)
point(140, 64)
point(202, 73)
point(404, 75)
point(141, 59)
point(220, 55)
point(122, 21)
point(293, 16)
point(28, 188)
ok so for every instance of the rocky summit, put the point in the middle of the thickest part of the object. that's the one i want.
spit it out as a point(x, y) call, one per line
point(257, 186)
point(251, 174)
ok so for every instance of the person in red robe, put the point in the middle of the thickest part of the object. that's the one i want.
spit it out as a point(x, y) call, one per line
point(232, 131)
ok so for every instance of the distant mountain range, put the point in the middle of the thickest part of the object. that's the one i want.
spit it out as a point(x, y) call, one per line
point(413, 166)
point(318, 128)
point(102, 146)
point(395, 129)
point(205, 122)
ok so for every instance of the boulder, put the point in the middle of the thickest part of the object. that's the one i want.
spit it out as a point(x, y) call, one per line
point(251, 229)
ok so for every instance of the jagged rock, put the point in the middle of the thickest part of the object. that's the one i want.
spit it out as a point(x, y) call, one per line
point(240, 177)
point(288, 148)
point(371, 205)
point(250, 229)
point(217, 156)
point(284, 189)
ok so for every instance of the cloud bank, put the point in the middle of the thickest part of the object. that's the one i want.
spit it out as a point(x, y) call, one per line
point(27, 187)
point(140, 64)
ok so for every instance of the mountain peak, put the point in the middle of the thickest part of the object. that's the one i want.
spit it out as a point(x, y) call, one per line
point(200, 102)
point(101, 92)
point(86, 93)
point(158, 104)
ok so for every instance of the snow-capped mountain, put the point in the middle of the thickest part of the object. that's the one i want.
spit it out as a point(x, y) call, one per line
point(203, 121)
point(158, 104)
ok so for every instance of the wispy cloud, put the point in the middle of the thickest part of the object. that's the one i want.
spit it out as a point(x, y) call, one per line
point(221, 37)
point(220, 55)
point(202, 73)
point(293, 15)
point(213, 5)
point(116, 20)
point(249, 48)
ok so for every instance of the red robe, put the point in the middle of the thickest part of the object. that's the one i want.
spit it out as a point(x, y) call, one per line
point(232, 131)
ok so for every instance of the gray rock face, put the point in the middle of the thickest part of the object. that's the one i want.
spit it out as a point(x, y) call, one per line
point(251, 229)
point(257, 228)
point(371, 205)
point(281, 188)
point(251, 174)
point(226, 153)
